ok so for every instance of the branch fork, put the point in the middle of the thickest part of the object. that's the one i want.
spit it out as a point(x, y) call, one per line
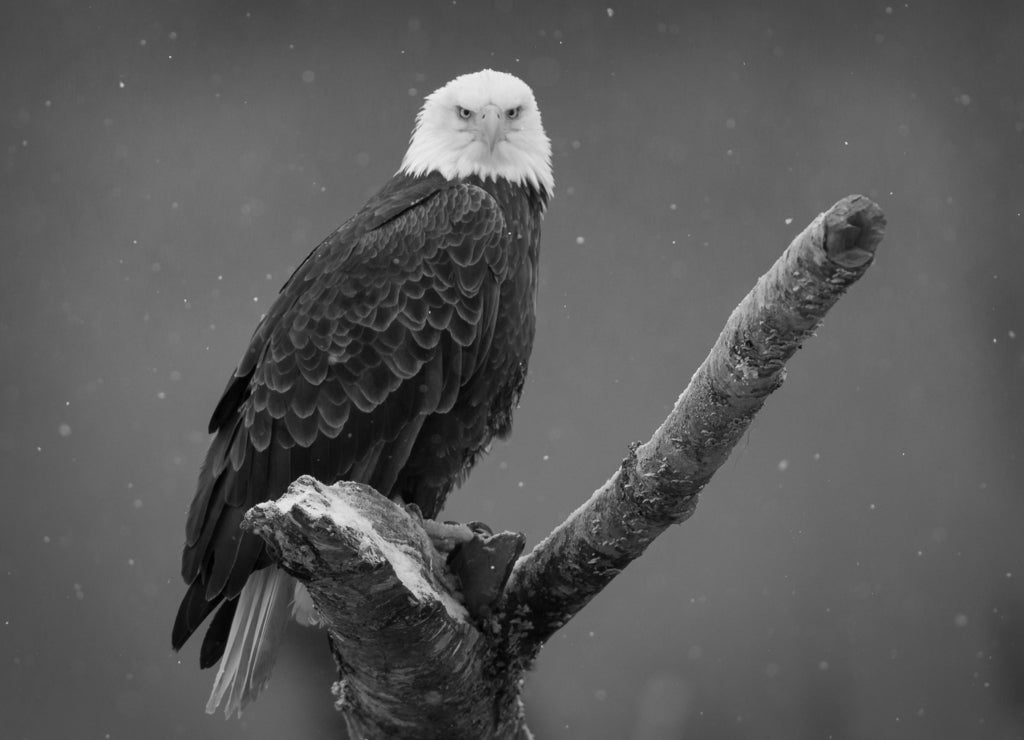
point(413, 662)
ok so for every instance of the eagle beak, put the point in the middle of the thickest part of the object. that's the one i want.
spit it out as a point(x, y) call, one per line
point(491, 119)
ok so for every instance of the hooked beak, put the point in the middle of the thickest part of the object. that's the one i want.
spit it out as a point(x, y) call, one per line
point(491, 118)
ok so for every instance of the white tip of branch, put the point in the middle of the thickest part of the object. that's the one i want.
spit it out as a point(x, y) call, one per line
point(377, 528)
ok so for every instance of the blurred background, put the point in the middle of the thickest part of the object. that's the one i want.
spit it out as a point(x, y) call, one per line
point(855, 569)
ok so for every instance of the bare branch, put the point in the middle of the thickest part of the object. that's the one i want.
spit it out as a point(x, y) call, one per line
point(658, 483)
point(412, 665)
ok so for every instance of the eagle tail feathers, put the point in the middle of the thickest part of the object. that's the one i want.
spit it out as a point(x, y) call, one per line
point(264, 607)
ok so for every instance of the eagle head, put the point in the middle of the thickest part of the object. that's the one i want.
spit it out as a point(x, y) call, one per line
point(485, 123)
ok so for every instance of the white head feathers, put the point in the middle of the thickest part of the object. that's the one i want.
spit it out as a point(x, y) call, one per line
point(487, 124)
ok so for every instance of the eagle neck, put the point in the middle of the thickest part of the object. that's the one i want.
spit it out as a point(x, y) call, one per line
point(506, 192)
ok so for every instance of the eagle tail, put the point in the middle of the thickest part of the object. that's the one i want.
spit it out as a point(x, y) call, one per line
point(264, 607)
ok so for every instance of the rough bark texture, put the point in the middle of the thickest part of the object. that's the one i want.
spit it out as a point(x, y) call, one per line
point(412, 664)
point(658, 483)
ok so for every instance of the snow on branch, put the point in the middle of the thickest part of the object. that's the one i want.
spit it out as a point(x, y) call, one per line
point(413, 664)
point(657, 484)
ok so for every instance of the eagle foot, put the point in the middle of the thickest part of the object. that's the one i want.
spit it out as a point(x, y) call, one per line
point(446, 536)
point(483, 565)
point(480, 560)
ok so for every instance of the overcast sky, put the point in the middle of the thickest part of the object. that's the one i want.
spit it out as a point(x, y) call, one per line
point(855, 568)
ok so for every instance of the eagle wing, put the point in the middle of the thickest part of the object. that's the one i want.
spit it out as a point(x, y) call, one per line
point(379, 328)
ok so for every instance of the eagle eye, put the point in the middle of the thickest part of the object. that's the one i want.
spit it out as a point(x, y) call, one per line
point(513, 113)
point(465, 113)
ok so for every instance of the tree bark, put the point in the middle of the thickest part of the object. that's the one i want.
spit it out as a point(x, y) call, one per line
point(658, 482)
point(412, 663)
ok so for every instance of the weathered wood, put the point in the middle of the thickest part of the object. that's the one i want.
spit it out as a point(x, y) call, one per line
point(412, 663)
point(657, 484)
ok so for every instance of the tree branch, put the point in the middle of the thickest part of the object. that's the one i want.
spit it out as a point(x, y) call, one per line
point(412, 663)
point(658, 483)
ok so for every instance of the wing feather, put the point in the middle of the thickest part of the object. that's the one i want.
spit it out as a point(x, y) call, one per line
point(378, 329)
point(198, 539)
point(220, 626)
point(302, 429)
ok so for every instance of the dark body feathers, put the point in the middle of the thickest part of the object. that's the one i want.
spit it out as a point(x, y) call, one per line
point(392, 356)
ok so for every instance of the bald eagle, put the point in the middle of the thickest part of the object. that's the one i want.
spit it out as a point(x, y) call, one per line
point(392, 356)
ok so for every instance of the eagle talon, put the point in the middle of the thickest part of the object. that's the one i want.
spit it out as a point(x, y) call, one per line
point(478, 527)
point(415, 512)
point(446, 536)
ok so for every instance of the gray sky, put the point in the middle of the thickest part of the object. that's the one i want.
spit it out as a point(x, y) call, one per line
point(855, 568)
